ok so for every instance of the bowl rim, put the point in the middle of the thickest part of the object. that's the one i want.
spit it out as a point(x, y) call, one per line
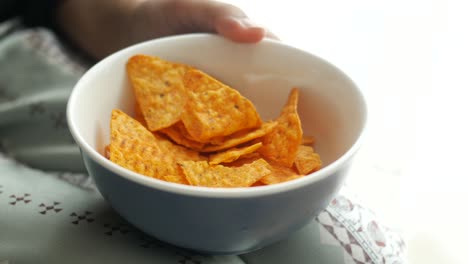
point(198, 191)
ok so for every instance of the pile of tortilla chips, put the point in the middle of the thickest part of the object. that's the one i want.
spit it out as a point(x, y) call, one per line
point(190, 128)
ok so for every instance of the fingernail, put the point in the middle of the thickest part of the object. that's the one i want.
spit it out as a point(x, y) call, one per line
point(271, 36)
point(246, 22)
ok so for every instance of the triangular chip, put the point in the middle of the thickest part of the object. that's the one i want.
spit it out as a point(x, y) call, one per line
point(258, 184)
point(214, 109)
point(246, 159)
point(178, 134)
point(175, 153)
point(282, 143)
point(279, 174)
point(241, 137)
point(202, 174)
point(139, 115)
point(106, 152)
point(308, 140)
point(125, 127)
point(233, 154)
point(137, 156)
point(134, 147)
point(159, 89)
point(178, 178)
point(307, 160)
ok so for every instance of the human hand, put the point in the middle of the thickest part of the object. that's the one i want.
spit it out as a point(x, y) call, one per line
point(102, 27)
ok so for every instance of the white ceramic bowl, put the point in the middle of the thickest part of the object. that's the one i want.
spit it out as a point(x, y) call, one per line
point(224, 221)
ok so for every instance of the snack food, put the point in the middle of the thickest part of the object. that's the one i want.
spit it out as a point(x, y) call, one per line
point(158, 89)
point(282, 144)
point(192, 129)
point(214, 109)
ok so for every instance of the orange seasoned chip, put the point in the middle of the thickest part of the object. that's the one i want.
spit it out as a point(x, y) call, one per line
point(159, 89)
point(307, 160)
point(174, 153)
point(282, 143)
point(241, 137)
point(214, 109)
point(136, 155)
point(134, 147)
point(123, 126)
point(257, 184)
point(178, 178)
point(178, 134)
point(139, 115)
point(233, 154)
point(203, 174)
point(106, 152)
point(308, 140)
point(246, 159)
point(279, 174)
point(191, 129)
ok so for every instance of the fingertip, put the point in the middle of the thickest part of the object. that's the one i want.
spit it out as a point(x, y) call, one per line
point(240, 30)
point(270, 35)
point(253, 35)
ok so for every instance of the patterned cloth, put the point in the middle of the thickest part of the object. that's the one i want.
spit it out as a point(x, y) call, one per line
point(36, 79)
point(59, 217)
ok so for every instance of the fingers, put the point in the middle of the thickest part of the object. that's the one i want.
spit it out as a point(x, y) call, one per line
point(217, 17)
point(239, 29)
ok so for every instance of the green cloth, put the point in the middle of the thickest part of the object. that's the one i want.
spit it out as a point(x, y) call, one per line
point(35, 83)
point(40, 223)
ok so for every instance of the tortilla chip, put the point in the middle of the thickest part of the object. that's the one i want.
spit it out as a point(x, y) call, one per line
point(124, 126)
point(179, 178)
point(308, 140)
point(183, 116)
point(233, 154)
point(159, 89)
point(106, 152)
point(307, 160)
point(134, 147)
point(241, 137)
point(202, 174)
point(279, 174)
point(214, 109)
point(178, 134)
point(139, 115)
point(257, 184)
point(282, 143)
point(174, 153)
point(246, 159)
point(137, 156)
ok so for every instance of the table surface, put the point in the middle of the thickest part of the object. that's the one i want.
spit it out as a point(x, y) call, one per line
point(409, 57)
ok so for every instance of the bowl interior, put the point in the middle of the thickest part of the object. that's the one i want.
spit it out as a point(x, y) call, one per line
point(331, 107)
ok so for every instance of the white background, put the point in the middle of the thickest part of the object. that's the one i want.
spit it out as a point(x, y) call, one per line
point(411, 60)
